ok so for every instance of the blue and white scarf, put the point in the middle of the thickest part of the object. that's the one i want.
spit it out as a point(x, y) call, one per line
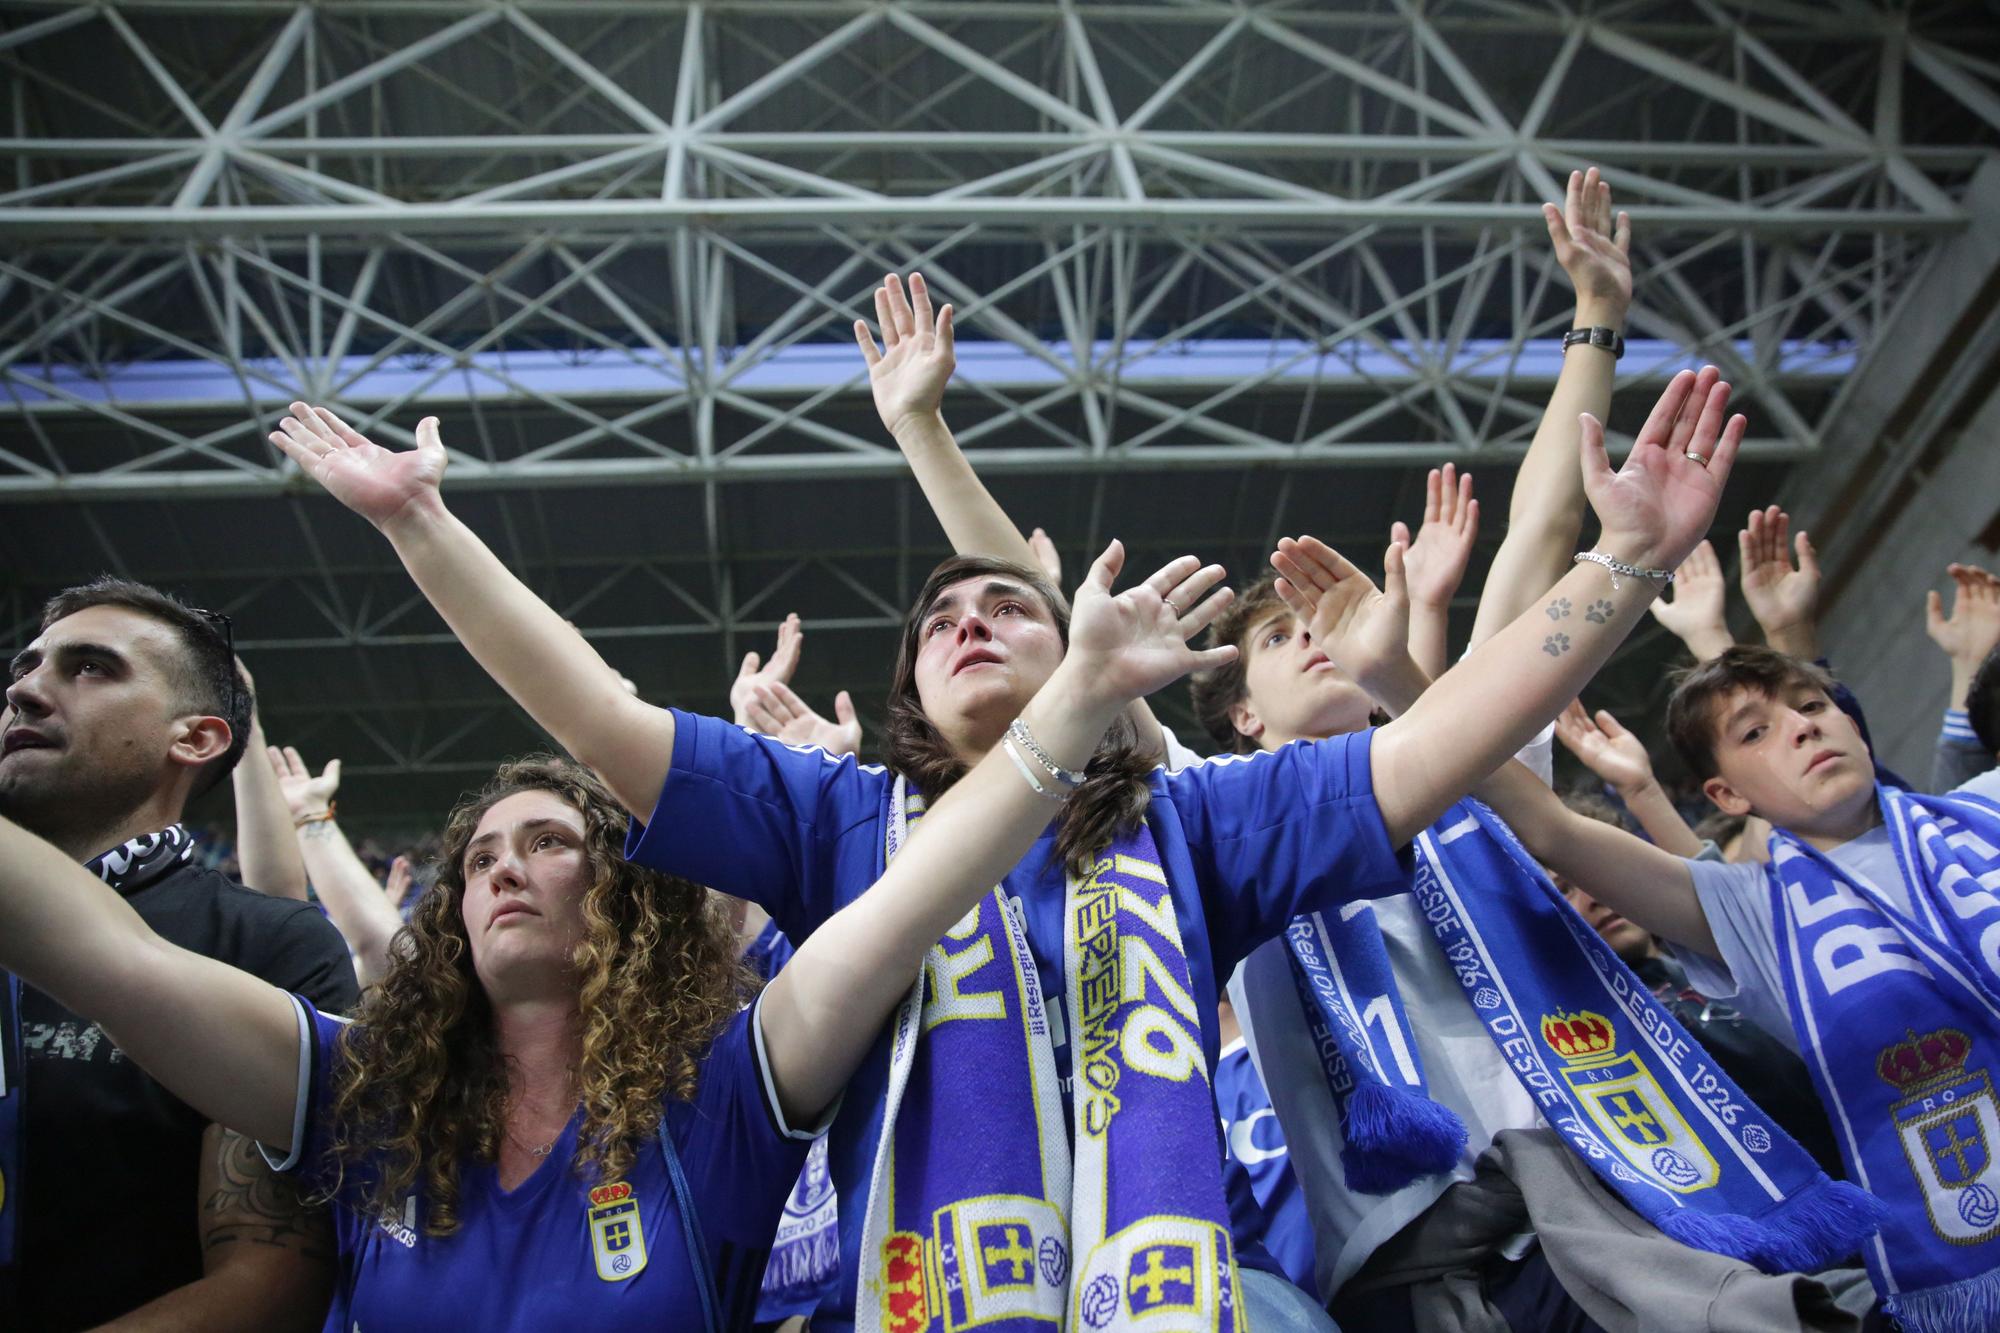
point(1624, 1084)
point(1898, 1014)
point(1391, 1131)
point(979, 1211)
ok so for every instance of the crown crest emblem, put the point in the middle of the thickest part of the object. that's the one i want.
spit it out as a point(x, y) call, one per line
point(1922, 1059)
point(1583, 1036)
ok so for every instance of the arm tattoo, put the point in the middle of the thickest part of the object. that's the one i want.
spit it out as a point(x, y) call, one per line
point(319, 828)
point(1600, 612)
point(1556, 645)
point(1558, 609)
point(245, 1202)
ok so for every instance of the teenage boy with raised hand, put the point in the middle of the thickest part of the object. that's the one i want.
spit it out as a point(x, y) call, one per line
point(1867, 944)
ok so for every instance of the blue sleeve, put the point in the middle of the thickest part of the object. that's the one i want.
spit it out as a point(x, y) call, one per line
point(1275, 834)
point(311, 1157)
point(756, 819)
point(741, 1159)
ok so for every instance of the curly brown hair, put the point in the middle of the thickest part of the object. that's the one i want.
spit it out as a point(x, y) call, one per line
point(1114, 794)
point(422, 1085)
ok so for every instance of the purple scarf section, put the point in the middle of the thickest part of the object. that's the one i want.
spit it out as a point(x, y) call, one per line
point(988, 1207)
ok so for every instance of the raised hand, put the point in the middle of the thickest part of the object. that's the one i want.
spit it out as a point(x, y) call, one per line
point(1605, 747)
point(397, 886)
point(1695, 615)
point(776, 711)
point(378, 484)
point(306, 796)
point(1363, 630)
point(1972, 632)
point(1434, 564)
point(1046, 555)
point(1594, 247)
point(1656, 507)
point(756, 672)
point(1123, 646)
point(908, 375)
point(1783, 598)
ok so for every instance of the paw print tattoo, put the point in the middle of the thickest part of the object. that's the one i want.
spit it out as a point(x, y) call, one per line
point(1556, 645)
point(1558, 609)
point(1599, 612)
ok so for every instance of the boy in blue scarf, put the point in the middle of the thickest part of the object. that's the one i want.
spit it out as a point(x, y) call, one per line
point(1868, 944)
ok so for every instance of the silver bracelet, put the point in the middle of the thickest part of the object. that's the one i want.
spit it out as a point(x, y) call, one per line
point(1617, 567)
point(1067, 777)
point(1027, 772)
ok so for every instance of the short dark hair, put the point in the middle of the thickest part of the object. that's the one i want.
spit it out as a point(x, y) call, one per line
point(1691, 721)
point(1719, 826)
point(1982, 703)
point(1593, 805)
point(205, 677)
point(1219, 689)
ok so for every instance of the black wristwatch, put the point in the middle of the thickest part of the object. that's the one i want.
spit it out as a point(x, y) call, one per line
point(1611, 340)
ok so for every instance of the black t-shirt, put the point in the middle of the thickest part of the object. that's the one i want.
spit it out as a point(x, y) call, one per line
point(111, 1169)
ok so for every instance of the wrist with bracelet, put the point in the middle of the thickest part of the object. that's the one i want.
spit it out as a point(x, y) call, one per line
point(1620, 571)
point(316, 817)
point(1601, 336)
point(1019, 742)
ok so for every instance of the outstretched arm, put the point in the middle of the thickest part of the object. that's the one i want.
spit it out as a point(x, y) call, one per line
point(1620, 759)
point(1653, 510)
point(267, 857)
point(822, 1013)
point(221, 1040)
point(1360, 629)
point(1545, 514)
point(536, 656)
point(353, 900)
point(1783, 598)
point(908, 376)
point(1647, 885)
point(1435, 563)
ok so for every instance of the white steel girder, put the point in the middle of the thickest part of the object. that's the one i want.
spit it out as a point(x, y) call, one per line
point(702, 195)
point(617, 243)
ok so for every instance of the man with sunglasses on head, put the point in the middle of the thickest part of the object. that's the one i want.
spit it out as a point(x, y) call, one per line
point(119, 1204)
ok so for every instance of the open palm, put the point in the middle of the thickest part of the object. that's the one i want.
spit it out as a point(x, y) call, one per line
point(1361, 628)
point(909, 374)
point(1132, 643)
point(1780, 595)
point(1656, 507)
point(376, 483)
point(305, 794)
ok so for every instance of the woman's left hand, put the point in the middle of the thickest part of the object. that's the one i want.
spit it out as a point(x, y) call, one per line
point(1123, 646)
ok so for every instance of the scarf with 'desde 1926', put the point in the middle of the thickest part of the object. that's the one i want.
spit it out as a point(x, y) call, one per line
point(1620, 1081)
point(1898, 1015)
point(979, 1211)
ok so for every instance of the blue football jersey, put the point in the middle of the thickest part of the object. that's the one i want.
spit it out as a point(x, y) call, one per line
point(558, 1251)
point(1257, 1150)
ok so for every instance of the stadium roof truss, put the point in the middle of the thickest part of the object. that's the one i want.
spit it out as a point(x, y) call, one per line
point(619, 244)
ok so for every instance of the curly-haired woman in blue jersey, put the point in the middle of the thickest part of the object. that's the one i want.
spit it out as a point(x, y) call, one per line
point(555, 1109)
